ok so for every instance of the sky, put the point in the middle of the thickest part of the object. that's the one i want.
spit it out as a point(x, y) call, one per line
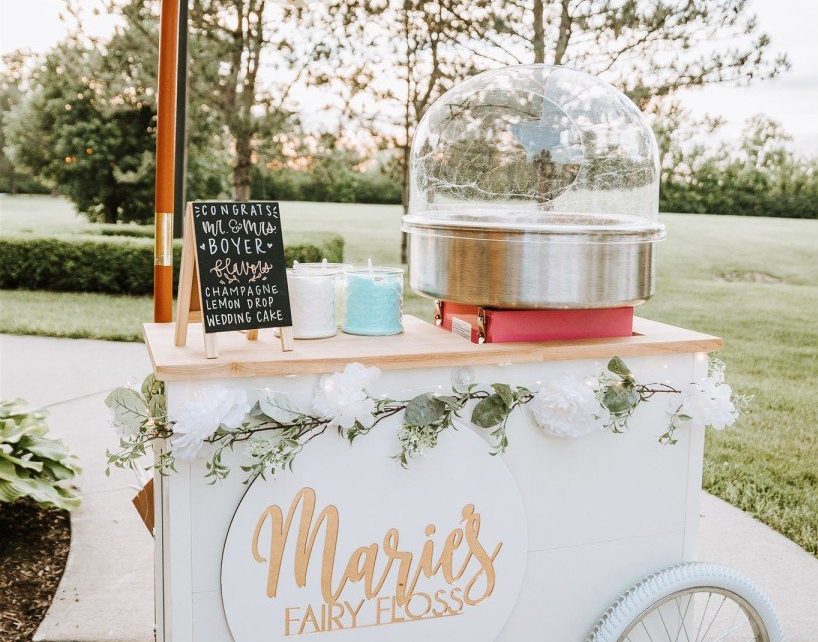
point(791, 99)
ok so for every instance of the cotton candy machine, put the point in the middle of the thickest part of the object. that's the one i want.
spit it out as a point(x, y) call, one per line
point(534, 187)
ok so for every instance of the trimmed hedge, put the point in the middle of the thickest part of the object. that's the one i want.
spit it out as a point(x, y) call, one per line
point(111, 229)
point(116, 265)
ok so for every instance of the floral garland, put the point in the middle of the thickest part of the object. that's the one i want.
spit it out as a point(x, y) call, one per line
point(276, 432)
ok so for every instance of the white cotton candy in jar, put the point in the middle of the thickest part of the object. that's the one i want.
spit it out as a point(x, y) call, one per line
point(338, 270)
point(312, 303)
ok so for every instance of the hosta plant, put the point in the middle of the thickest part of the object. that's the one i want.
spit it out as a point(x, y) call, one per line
point(31, 463)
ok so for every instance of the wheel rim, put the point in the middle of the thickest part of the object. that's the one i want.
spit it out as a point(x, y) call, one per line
point(700, 614)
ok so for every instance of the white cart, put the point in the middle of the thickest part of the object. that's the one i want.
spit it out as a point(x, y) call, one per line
point(572, 523)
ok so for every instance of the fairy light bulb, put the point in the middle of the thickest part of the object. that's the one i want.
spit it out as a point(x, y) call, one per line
point(462, 377)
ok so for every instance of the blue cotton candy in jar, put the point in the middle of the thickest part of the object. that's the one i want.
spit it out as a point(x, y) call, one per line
point(374, 301)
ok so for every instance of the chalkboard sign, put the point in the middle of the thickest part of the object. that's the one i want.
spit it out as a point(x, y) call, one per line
point(242, 274)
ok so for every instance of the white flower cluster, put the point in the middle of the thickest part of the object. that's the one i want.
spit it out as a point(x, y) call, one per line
point(201, 416)
point(259, 447)
point(416, 440)
point(269, 451)
point(342, 397)
point(708, 403)
point(568, 407)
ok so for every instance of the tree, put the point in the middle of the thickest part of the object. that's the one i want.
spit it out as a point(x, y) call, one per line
point(647, 48)
point(87, 127)
point(231, 41)
point(759, 176)
point(394, 59)
point(12, 87)
point(84, 134)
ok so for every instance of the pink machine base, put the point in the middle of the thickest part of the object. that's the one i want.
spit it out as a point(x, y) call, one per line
point(484, 325)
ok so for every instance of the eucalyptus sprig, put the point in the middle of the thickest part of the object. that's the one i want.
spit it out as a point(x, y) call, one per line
point(621, 394)
point(427, 416)
point(140, 418)
point(493, 412)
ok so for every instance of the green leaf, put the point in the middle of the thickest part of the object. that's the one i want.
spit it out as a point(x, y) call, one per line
point(423, 410)
point(505, 393)
point(43, 492)
point(620, 398)
point(277, 406)
point(151, 387)
point(617, 366)
point(489, 412)
point(24, 460)
point(129, 408)
point(45, 448)
point(453, 403)
point(158, 406)
point(62, 471)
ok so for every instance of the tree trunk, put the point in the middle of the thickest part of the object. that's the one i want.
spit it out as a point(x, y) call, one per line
point(539, 32)
point(564, 33)
point(111, 207)
point(241, 169)
point(404, 237)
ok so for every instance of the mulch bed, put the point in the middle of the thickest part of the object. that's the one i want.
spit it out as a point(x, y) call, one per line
point(33, 549)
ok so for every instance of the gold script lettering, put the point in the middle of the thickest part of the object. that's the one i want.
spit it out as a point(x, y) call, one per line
point(280, 529)
point(363, 562)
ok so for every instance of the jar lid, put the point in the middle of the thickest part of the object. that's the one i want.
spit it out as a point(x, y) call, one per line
point(318, 268)
point(310, 273)
point(375, 271)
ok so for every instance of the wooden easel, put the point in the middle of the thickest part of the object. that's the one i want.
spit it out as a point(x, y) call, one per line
point(189, 298)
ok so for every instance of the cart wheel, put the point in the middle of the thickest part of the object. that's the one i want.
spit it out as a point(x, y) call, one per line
point(694, 602)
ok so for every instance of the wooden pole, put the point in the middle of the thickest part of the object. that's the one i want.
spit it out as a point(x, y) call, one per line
point(165, 162)
point(180, 173)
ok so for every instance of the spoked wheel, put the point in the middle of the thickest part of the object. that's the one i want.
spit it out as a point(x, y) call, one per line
point(691, 603)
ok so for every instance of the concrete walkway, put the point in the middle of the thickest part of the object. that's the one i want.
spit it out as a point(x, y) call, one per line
point(106, 591)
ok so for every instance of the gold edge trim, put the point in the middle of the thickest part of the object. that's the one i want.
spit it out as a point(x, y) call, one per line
point(163, 239)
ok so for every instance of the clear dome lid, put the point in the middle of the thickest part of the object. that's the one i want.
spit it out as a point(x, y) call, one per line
point(539, 149)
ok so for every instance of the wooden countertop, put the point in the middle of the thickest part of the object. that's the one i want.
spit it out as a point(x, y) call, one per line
point(421, 345)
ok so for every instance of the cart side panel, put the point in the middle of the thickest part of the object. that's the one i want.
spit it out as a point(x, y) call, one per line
point(602, 511)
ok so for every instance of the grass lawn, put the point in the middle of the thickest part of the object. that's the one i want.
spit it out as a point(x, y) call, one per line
point(753, 281)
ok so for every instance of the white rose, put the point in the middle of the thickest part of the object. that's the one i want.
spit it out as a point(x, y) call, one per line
point(708, 404)
point(568, 407)
point(199, 418)
point(342, 396)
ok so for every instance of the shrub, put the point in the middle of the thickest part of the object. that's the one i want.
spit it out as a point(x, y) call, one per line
point(116, 265)
point(31, 464)
point(342, 186)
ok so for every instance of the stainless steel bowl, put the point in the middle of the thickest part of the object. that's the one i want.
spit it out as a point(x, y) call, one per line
point(591, 266)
